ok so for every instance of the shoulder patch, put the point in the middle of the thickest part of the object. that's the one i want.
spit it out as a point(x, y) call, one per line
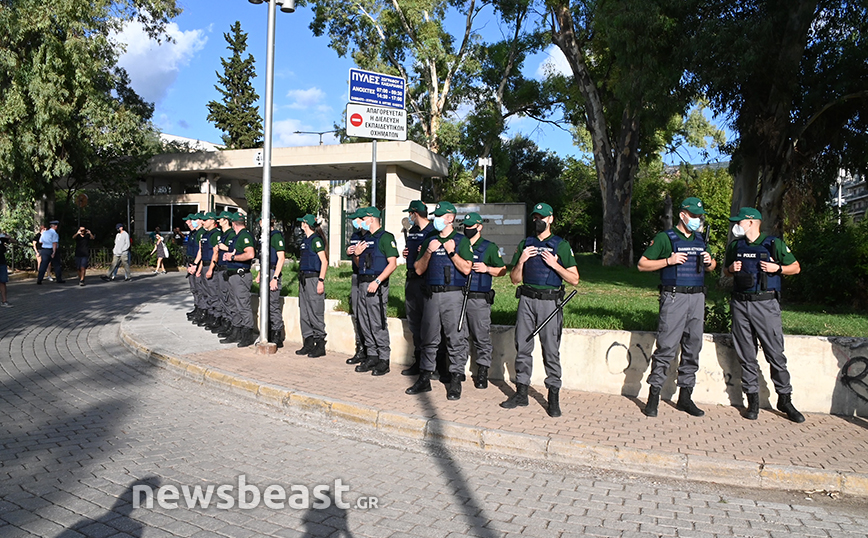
point(279, 242)
point(652, 243)
point(394, 245)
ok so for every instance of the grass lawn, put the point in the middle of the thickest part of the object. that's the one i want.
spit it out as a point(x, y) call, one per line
point(608, 298)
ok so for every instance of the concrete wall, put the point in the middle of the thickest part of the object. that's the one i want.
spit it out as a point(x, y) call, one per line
point(505, 224)
point(829, 375)
point(402, 187)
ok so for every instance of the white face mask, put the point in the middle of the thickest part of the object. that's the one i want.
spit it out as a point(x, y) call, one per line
point(738, 231)
point(439, 224)
point(693, 224)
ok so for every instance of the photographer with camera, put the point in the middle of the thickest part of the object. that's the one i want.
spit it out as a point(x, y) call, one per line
point(82, 239)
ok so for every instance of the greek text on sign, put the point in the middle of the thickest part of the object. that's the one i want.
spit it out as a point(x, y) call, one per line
point(376, 122)
point(376, 89)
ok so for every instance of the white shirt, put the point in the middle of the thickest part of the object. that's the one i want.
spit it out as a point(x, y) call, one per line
point(122, 243)
point(49, 237)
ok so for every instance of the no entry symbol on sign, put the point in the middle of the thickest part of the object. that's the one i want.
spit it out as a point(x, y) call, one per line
point(356, 120)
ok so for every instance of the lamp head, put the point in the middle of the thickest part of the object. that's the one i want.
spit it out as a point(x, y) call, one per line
point(286, 6)
point(257, 2)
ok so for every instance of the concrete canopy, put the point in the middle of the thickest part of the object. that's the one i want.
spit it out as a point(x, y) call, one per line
point(342, 162)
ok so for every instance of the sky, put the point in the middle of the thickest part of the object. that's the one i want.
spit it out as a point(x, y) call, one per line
point(310, 80)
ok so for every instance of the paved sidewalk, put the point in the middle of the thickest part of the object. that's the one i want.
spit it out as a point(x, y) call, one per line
point(599, 430)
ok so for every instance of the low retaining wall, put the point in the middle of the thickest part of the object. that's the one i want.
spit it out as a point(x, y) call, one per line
point(829, 375)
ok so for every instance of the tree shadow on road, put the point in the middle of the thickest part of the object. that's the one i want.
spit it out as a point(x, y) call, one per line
point(117, 519)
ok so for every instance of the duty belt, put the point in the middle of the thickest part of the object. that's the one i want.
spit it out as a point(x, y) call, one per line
point(306, 274)
point(371, 278)
point(548, 295)
point(751, 297)
point(441, 289)
point(682, 289)
point(478, 294)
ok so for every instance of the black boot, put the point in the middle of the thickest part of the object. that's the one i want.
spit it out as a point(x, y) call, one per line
point(318, 348)
point(554, 408)
point(218, 325)
point(368, 365)
point(225, 330)
point(785, 405)
point(423, 384)
point(454, 390)
point(191, 313)
point(210, 322)
point(199, 316)
point(517, 399)
point(233, 336)
point(359, 356)
point(276, 337)
point(685, 402)
point(414, 369)
point(381, 368)
point(652, 403)
point(307, 347)
point(248, 337)
point(752, 411)
point(481, 377)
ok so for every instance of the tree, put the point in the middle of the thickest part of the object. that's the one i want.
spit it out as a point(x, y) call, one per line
point(237, 116)
point(67, 114)
point(627, 62)
point(792, 78)
point(289, 201)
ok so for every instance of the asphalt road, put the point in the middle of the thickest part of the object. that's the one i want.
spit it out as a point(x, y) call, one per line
point(84, 424)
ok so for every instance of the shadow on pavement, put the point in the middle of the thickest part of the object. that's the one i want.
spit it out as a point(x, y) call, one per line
point(322, 522)
point(117, 519)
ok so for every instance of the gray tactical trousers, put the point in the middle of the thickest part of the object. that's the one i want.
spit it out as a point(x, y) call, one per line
point(441, 313)
point(311, 307)
point(478, 321)
point(210, 292)
point(531, 312)
point(372, 320)
point(752, 320)
point(414, 305)
point(239, 290)
point(681, 322)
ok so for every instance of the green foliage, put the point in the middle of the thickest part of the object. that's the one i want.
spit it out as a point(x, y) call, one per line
point(714, 187)
point(237, 115)
point(289, 201)
point(67, 114)
point(718, 318)
point(580, 219)
point(834, 262)
point(522, 172)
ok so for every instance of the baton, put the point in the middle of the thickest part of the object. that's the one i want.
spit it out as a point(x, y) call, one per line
point(706, 234)
point(559, 308)
point(466, 291)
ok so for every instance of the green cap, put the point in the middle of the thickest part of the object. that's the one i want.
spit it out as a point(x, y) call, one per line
point(198, 216)
point(236, 217)
point(224, 215)
point(309, 219)
point(417, 206)
point(369, 212)
point(354, 214)
point(693, 205)
point(746, 213)
point(444, 208)
point(190, 216)
point(472, 219)
point(209, 216)
point(542, 209)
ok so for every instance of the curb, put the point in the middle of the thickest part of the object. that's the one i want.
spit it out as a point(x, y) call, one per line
point(553, 449)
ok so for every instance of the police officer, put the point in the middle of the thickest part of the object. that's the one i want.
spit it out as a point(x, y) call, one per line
point(227, 304)
point(193, 268)
point(206, 260)
point(276, 259)
point(756, 262)
point(445, 260)
point(190, 250)
point(487, 263)
point(680, 256)
point(313, 264)
point(542, 263)
point(239, 257)
point(414, 294)
point(377, 257)
point(357, 236)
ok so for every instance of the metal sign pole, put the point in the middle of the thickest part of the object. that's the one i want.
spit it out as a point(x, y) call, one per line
point(266, 177)
point(374, 175)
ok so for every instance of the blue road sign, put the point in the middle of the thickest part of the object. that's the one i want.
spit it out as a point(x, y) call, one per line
point(376, 89)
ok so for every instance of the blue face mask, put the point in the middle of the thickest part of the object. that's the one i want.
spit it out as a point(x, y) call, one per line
point(694, 224)
point(365, 226)
point(439, 224)
point(355, 223)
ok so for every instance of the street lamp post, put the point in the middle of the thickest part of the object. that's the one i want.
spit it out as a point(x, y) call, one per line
point(286, 6)
point(320, 133)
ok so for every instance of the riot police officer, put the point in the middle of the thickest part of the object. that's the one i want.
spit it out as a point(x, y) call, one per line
point(313, 264)
point(227, 304)
point(193, 256)
point(357, 236)
point(680, 256)
point(205, 273)
point(487, 263)
point(414, 294)
point(542, 263)
point(756, 262)
point(239, 258)
point(445, 262)
point(377, 257)
point(276, 259)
